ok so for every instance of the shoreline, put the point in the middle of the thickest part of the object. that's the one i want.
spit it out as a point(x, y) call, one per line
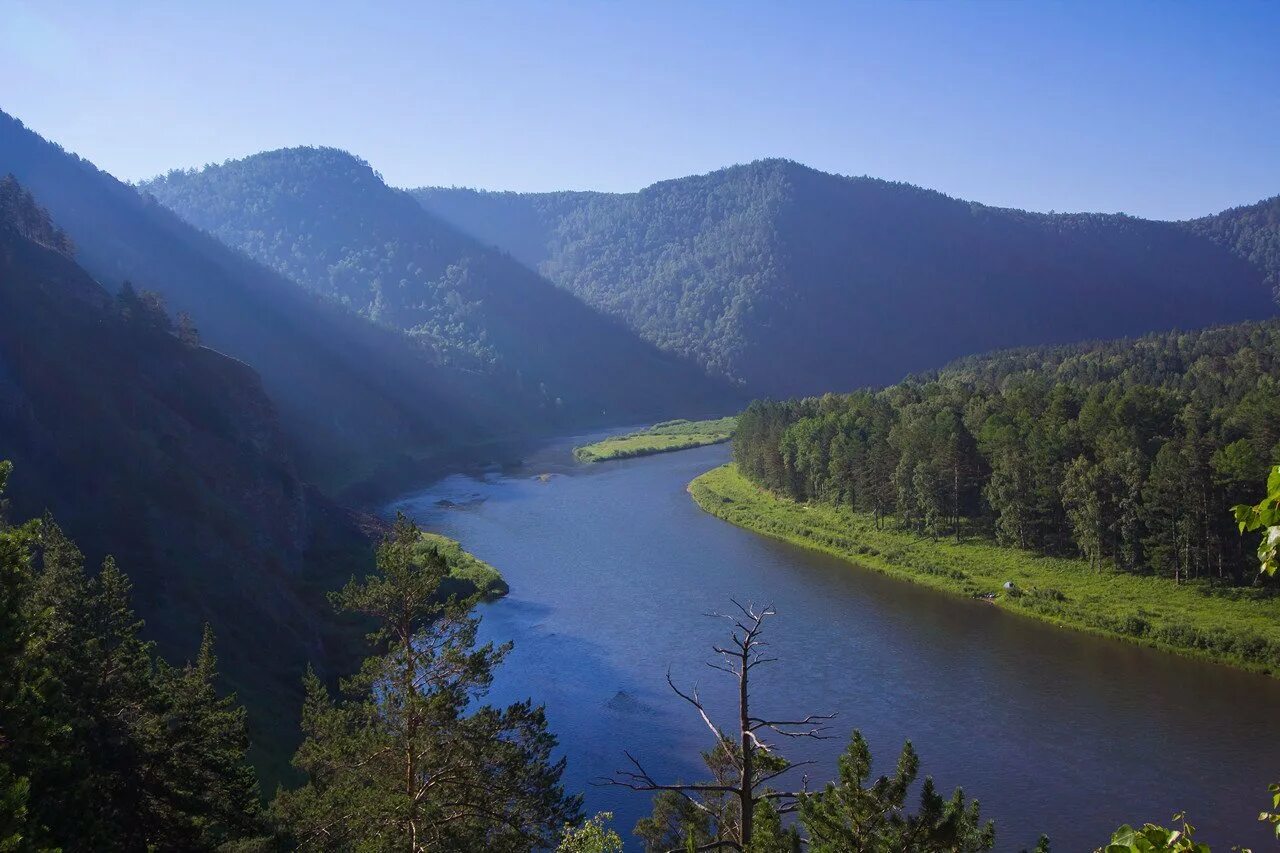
point(663, 437)
point(1222, 627)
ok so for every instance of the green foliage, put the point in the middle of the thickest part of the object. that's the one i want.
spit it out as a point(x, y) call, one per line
point(20, 213)
point(1203, 618)
point(770, 835)
point(1264, 516)
point(1129, 453)
point(796, 281)
point(673, 824)
point(1251, 231)
point(659, 438)
point(173, 459)
point(850, 814)
point(1273, 817)
point(407, 758)
point(103, 746)
point(1155, 839)
point(468, 575)
point(593, 836)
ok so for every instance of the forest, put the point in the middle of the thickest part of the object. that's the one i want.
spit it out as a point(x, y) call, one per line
point(793, 281)
point(326, 220)
point(1130, 453)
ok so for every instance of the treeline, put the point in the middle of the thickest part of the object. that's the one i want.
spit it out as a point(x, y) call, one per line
point(18, 210)
point(795, 281)
point(1130, 453)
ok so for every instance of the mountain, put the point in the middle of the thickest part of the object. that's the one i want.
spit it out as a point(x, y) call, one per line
point(356, 399)
point(352, 397)
point(168, 455)
point(326, 220)
point(794, 281)
point(1251, 231)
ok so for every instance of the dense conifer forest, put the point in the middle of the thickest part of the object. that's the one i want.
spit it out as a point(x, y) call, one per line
point(1131, 453)
point(795, 281)
point(326, 220)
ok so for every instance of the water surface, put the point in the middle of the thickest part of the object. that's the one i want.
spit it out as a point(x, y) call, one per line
point(612, 568)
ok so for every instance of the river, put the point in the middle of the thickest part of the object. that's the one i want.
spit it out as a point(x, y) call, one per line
point(613, 567)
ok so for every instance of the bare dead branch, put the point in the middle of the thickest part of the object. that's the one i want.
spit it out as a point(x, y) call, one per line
point(696, 703)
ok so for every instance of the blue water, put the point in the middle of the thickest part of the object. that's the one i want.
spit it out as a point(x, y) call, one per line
point(613, 567)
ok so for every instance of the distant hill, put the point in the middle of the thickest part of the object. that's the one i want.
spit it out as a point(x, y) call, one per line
point(794, 281)
point(326, 220)
point(169, 456)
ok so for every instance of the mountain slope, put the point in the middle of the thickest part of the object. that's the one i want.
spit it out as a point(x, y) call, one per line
point(356, 399)
point(169, 456)
point(1251, 231)
point(797, 281)
point(326, 220)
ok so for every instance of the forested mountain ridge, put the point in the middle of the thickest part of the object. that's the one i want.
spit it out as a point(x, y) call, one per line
point(168, 456)
point(796, 281)
point(352, 397)
point(325, 219)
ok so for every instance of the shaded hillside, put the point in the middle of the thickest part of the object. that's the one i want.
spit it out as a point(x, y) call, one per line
point(1251, 231)
point(354, 398)
point(326, 220)
point(797, 281)
point(170, 457)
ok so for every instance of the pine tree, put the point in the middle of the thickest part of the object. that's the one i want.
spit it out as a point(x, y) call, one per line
point(23, 682)
point(101, 748)
point(405, 760)
point(212, 792)
point(850, 815)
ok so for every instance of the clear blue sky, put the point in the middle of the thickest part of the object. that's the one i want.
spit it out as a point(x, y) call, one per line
point(1168, 109)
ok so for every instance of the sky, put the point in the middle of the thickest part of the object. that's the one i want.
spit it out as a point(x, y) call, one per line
point(1166, 110)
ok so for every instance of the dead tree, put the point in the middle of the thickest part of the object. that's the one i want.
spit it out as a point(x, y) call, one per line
point(754, 763)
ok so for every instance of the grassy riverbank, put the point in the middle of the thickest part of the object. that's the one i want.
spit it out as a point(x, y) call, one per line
point(1235, 626)
point(659, 438)
point(467, 573)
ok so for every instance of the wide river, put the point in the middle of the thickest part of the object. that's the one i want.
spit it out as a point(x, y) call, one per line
point(613, 567)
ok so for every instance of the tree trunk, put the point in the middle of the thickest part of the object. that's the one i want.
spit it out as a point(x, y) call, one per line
point(748, 771)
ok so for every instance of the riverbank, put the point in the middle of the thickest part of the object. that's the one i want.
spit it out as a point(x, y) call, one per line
point(659, 438)
point(1240, 627)
point(468, 574)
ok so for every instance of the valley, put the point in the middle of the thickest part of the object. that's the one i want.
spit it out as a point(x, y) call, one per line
point(323, 522)
point(613, 567)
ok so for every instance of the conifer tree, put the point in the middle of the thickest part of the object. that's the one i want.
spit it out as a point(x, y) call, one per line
point(850, 815)
point(406, 759)
point(101, 747)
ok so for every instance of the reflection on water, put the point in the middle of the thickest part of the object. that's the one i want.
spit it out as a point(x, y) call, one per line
point(612, 569)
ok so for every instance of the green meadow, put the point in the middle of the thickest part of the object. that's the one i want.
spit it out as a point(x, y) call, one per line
point(1237, 626)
